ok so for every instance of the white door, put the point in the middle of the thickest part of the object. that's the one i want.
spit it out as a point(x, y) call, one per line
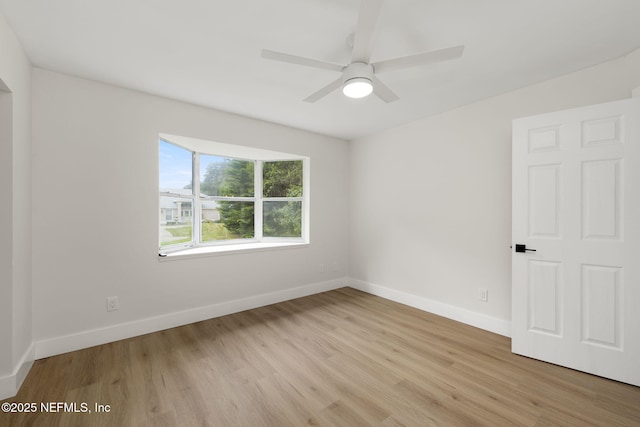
point(576, 202)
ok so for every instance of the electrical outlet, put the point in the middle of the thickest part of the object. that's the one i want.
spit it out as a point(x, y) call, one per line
point(321, 268)
point(483, 294)
point(113, 304)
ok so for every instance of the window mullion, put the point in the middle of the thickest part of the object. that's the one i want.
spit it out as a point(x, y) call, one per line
point(306, 177)
point(282, 199)
point(258, 193)
point(196, 215)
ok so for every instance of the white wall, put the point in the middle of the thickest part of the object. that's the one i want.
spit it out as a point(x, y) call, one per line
point(95, 181)
point(431, 200)
point(15, 214)
point(6, 232)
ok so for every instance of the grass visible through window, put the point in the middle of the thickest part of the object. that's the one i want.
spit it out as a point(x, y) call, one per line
point(210, 231)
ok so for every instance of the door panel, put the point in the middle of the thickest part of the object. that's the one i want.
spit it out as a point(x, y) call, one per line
point(544, 203)
point(603, 131)
point(601, 203)
point(602, 305)
point(576, 201)
point(545, 291)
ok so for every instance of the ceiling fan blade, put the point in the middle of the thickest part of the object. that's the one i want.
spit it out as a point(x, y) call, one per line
point(383, 92)
point(324, 91)
point(367, 18)
point(300, 60)
point(418, 59)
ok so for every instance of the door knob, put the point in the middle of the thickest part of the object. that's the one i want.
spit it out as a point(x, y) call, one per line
point(523, 248)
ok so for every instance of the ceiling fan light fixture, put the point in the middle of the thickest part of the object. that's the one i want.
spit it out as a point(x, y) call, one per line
point(357, 87)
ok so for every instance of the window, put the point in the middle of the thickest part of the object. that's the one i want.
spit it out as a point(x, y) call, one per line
point(214, 194)
point(282, 198)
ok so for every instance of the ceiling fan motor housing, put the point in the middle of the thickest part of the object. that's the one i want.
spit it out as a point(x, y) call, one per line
point(357, 70)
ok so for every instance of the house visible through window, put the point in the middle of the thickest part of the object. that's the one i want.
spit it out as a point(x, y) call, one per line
point(239, 195)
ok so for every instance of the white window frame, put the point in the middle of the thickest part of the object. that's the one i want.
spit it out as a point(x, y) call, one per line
point(259, 156)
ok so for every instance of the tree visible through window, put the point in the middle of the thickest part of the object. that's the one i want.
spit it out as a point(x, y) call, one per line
point(282, 187)
point(226, 205)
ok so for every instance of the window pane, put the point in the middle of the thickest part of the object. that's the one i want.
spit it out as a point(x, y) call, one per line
point(282, 219)
point(282, 179)
point(223, 176)
point(175, 210)
point(175, 220)
point(176, 201)
point(236, 222)
point(175, 168)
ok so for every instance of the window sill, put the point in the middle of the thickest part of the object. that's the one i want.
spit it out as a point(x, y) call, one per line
point(207, 251)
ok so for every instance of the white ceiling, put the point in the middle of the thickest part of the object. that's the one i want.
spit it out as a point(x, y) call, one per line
point(207, 52)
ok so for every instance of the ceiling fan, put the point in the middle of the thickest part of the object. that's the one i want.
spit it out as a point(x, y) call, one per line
point(359, 77)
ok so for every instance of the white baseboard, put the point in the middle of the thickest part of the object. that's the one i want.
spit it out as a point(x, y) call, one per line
point(93, 337)
point(479, 320)
point(10, 384)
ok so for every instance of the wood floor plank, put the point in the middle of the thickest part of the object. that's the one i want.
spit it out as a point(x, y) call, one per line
point(339, 358)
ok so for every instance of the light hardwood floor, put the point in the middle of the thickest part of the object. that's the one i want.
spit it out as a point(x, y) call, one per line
point(340, 358)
